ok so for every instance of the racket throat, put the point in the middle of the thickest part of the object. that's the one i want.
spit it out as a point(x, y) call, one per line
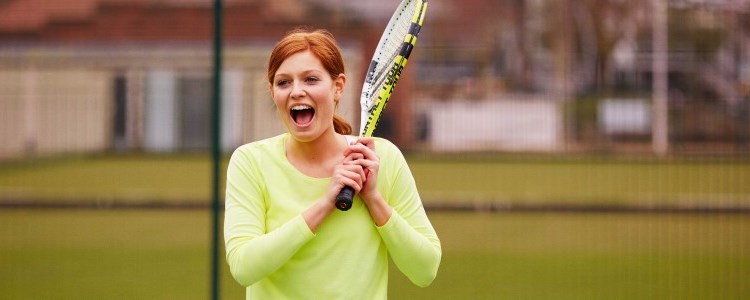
point(365, 125)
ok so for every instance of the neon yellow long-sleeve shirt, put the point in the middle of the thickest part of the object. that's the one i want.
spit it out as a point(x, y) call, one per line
point(271, 250)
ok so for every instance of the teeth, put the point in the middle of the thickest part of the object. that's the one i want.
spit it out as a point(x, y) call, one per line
point(301, 107)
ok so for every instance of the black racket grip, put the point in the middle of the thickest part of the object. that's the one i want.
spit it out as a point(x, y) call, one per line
point(344, 199)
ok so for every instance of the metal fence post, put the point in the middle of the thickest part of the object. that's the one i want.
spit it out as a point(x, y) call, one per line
point(216, 147)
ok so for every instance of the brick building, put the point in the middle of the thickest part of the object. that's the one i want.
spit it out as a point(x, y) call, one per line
point(100, 75)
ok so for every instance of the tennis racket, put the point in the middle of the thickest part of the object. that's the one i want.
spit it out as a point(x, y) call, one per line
point(385, 69)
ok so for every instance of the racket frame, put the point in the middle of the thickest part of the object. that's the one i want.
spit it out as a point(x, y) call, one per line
point(372, 107)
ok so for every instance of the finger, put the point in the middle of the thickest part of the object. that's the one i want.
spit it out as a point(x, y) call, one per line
point(357, 148)
point(353, 172)
point(362, 173)
point(364, 150)
point(344, 180)
point(352, 149)
point(352, 184)
point(366, 163)
point(353, 157)
point(367, 141)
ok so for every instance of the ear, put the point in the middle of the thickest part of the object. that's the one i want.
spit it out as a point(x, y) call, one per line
point(338, 85)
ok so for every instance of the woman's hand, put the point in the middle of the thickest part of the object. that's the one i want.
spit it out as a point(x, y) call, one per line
point(362, 153)
point(346, 174)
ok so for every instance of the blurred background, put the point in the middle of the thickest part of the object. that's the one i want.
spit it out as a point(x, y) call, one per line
point(579, 149)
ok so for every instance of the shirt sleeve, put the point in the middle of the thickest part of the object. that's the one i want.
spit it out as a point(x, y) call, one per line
point(252, 252)
point(409, 236)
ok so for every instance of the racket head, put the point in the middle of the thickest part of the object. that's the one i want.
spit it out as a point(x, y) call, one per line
point(390, 58)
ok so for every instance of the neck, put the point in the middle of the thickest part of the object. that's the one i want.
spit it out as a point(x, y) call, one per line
point(328, 146)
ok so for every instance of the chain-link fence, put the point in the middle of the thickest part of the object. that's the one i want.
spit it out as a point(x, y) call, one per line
point(529, 127)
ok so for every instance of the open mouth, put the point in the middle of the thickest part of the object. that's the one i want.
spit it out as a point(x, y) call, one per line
point(302, 114)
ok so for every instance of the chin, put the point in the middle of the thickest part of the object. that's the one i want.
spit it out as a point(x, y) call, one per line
point(303, 136)
point(309, 134)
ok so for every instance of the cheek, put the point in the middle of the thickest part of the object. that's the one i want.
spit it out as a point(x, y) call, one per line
point(279, 102)
point(326, 100)
point(279, 96)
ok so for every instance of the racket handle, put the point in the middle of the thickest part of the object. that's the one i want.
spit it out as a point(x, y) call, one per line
point(344, 199)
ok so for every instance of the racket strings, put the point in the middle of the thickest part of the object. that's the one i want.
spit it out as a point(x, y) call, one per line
point(388, 51)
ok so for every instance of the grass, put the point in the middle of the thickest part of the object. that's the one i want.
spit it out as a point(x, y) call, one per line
point(585, 180)
point(115, 178)
point(589, 256)
point(74, 254)
point(135, 254)
point(158, 254)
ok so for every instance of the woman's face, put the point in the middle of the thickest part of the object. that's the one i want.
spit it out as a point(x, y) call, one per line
point(305, 96)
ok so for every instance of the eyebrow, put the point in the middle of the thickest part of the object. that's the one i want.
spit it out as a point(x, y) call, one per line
point(303, 72)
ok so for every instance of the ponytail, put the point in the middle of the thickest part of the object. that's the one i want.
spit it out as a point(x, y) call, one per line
point(341, 126)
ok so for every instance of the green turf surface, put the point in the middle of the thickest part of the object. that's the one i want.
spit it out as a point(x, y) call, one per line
point(589, 256)
point(585, 180)
point(124, 178)
point(163, 254)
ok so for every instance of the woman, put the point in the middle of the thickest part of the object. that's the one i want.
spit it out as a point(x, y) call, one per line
point(284, 238)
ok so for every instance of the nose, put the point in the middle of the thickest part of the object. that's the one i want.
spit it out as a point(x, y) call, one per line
point(297, 90)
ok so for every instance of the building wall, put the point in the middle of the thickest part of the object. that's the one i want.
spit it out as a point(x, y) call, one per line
point(54, 111)
point(56, 100)
point(512, 123)
point(12, 105)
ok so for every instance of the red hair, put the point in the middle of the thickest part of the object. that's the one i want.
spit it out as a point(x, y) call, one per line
point(320, 43)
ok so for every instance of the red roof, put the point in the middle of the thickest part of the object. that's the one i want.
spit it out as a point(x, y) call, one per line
point(27, 15)
point(462, 22)
point(114, 20)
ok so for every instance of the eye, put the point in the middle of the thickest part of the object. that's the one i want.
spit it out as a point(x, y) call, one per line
point(282, 82)
point(311, 79)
